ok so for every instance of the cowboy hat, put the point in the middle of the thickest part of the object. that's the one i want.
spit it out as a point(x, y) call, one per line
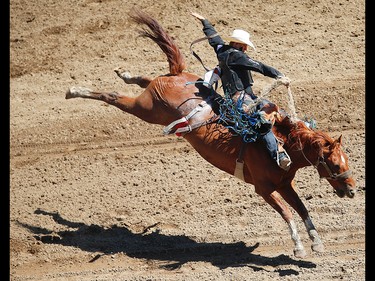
point(240, 36)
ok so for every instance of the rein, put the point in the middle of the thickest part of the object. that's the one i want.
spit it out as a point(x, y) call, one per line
point(332, 176)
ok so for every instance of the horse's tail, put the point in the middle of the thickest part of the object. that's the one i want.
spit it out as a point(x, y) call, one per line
point(159, 36)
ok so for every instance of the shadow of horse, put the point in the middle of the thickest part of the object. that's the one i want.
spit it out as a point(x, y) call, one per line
point(174, 250)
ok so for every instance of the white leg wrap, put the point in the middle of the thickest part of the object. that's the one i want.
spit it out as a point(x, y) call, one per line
point(317, 244)
point(299, 250)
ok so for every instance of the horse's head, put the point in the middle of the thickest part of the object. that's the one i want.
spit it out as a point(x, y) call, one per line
point(333, 166)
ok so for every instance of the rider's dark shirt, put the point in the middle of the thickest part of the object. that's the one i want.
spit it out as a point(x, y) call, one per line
point(236, 66)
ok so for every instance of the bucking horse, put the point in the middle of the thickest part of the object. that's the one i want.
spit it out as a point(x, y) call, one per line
point(180, 103)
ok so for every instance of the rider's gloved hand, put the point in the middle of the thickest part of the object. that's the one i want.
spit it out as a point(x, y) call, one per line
point(284, 80)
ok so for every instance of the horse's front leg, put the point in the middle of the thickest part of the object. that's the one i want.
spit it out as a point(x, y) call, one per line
point(141, 81)
point(291, 197)
point(317, 244)
point(276, 202)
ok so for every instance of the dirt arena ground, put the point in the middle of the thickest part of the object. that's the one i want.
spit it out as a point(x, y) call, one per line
point(97, 194)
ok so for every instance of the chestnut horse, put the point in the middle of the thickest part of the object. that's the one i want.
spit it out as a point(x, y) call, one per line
point(179, 102)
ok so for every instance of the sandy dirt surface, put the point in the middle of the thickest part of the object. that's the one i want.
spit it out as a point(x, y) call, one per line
point(97, 194)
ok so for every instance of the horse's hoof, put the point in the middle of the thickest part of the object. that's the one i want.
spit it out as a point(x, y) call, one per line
point(122, 73)
point(319, 248)
point(299, 253)
point(68, 94)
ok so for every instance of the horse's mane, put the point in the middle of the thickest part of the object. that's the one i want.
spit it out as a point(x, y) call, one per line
point(301, 136)
point(159, 36)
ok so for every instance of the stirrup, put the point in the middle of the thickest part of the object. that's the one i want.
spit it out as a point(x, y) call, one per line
point(283, 160)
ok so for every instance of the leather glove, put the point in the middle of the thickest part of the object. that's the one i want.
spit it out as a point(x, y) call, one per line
point(284, 80)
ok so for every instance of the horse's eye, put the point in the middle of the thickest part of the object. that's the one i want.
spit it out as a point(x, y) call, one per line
point(346, 149)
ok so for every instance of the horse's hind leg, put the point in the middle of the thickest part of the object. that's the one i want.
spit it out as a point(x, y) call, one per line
point(124, 103)
point(140, 106)
point(141, 81)
point(82, 92)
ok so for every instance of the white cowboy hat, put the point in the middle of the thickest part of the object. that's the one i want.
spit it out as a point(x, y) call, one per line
point(240, 36)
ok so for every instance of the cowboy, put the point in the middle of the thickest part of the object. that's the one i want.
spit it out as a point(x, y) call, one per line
point(235, 69)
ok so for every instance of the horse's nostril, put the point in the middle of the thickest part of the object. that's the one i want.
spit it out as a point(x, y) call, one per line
point(351, 193)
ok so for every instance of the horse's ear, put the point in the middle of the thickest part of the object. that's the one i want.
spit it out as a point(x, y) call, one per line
point(339, 140)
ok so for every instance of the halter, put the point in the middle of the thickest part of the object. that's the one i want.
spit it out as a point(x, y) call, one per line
point(332, 176)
